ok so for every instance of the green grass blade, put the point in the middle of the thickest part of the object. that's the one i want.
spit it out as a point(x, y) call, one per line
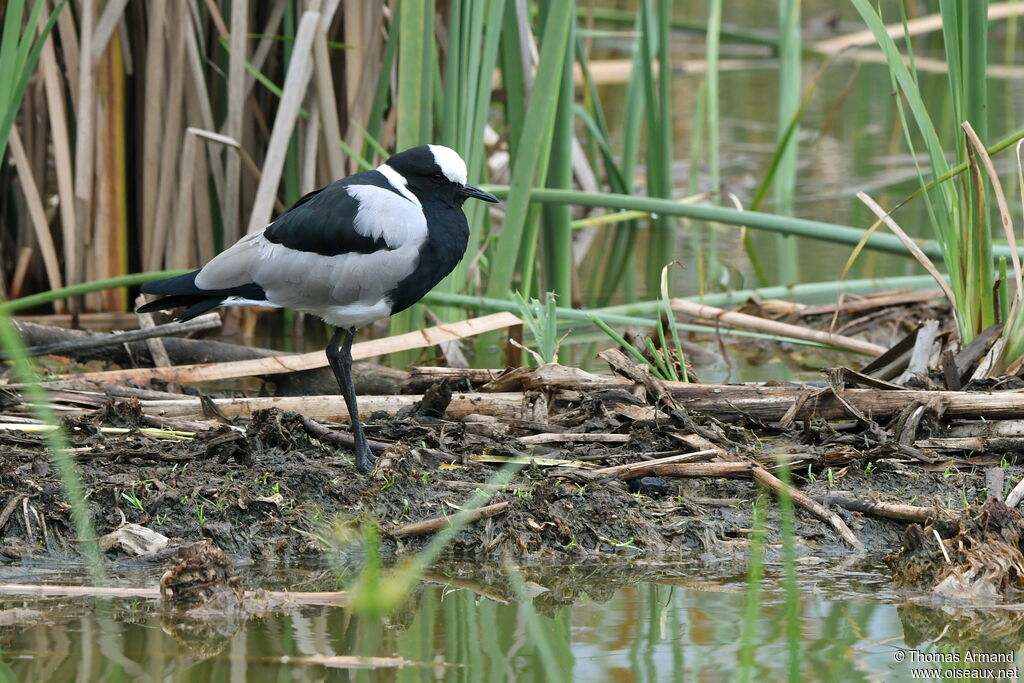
point(787, 529)
point(755, 574)
point(528, 159)
point(669, 314)
point(557, 234)
point(18, 59)
point(382, 92)
point(10, 44)
point(908, 85)
point(513, 77)
point(42, 298)
point(654, 40)
point(415, 90)
point(621, 341)
point(483, 59)
point(831, 232)
point(416, 36)
point(790, 68)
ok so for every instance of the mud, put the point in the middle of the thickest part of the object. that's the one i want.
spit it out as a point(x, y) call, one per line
point(270, 491)
point(979, 556)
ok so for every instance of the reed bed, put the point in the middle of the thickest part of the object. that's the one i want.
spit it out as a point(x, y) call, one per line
point(147, 136)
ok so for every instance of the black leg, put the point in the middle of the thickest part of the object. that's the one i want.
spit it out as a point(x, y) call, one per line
point(339, 355)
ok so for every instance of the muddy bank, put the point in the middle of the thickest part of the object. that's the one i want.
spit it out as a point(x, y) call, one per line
point(268, 489)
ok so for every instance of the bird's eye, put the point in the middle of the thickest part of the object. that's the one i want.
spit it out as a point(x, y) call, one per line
point(437, 178)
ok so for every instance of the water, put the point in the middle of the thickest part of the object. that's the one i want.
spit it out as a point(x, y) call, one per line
point(850, 140)
point(678, 622)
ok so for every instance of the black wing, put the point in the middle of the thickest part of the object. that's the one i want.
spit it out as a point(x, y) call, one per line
point(323, 221)
point(182, 291)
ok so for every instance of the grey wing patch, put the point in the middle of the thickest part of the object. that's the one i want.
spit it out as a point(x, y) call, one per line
point(233, 266)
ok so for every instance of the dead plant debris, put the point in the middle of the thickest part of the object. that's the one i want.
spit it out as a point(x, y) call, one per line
point(616, 466)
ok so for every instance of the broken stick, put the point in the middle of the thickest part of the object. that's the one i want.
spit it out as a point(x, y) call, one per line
point(203, 322)
point(807, 503)
point(269, 599)
point(743, 321)
point(898, 511)
point(429, 336)
point(429, 526)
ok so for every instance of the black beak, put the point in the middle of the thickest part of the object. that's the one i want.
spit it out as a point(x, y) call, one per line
point(476, 193)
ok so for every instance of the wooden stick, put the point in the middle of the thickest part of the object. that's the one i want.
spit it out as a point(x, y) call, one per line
point(36, 212)
point(177, 425)
point(897, 511)
point(627, 471)
point(729, 402)
point(85, 147)
point(67, 27)
point(726, 402)
point(9, 509)
point(972, 443)
point(106, 248)
point(868, 303)
point(918, 364)
point(217, 18)
point(20, 271)
point(909, 243)
point(105, 28)
point(324, 433)
point(87, 321)
point(1016, 495)
point(986, 428)
point(152, 113)
point(259, 55)
point(690, 470)
point(325, 96)
point(234, 118)
point(203, 322)
point(504, 406)
point(752, 322)
point(578, 437)
point(179, 245)
point(430, 336)
point(809, 504)
point(271, 599)
point(422, 377)
point(60, 139)
point(295, 83)
point(156, 348)
point(202, 99)
point(429, 526)
point(913, 27)
point(168, 122)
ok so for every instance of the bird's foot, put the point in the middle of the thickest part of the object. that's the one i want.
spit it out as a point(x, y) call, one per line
point(364, 459)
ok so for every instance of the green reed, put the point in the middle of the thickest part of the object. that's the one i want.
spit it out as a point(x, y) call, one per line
point(958, 211)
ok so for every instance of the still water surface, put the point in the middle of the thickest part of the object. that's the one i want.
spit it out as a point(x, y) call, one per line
point(683, 624)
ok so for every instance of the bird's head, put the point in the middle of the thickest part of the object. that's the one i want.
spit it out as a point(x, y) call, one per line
point(435, 172)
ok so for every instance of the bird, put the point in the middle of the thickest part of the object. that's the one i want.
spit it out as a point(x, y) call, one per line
point(352, 252)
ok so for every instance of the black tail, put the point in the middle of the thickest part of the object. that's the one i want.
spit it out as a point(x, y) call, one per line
point(182, 291)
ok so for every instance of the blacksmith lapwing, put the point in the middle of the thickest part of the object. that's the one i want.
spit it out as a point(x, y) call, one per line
point(355, 251)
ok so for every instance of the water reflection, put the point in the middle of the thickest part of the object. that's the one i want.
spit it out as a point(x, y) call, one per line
point(667, 627)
